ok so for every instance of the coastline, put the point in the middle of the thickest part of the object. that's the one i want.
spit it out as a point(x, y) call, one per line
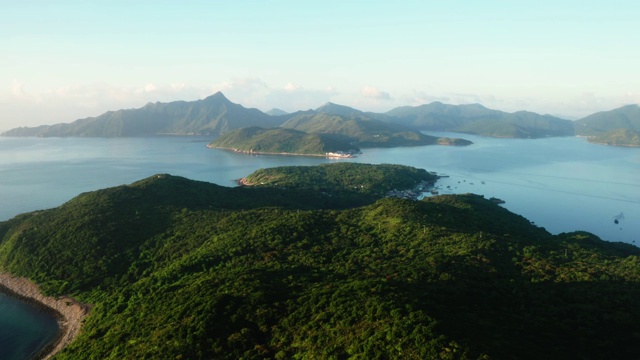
point(69, 312)
point(325, 155)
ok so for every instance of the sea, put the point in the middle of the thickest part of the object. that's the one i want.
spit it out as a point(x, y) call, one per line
point(563, 184)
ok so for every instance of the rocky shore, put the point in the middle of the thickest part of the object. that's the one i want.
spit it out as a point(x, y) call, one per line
point(70, 313)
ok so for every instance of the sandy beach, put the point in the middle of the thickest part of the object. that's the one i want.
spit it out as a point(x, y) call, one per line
point(70, 313)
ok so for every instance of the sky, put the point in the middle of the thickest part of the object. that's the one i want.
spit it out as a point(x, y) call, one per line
point(64, 60)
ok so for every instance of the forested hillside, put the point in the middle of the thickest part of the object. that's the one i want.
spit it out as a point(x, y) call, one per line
point(180, 269)
point(281, 141)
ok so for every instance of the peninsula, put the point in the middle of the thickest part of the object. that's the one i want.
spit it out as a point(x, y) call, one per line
point(320, 263)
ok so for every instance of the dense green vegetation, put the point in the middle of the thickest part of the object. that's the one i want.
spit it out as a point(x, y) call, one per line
point(317, 133)
point(619, 137)
point(364, 179)
point(359, 129)
point(180, 269)
point(278, 140)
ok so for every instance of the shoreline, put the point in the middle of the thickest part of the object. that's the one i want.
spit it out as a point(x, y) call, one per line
point(326, 155)
point(69, 313)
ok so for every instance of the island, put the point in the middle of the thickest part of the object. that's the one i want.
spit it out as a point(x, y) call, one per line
point(320, 134)
point(322, 267)
point(278, 141)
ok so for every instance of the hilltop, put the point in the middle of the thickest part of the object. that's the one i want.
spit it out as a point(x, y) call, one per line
point(176, 268)
point(618, 127)
point(214, 115)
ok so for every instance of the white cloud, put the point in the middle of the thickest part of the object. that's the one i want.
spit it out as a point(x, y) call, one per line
point(375, 93)
point(17, 88)
point(150, 88)
point(291, 87)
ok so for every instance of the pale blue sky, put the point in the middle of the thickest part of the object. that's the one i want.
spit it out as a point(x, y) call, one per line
point(63, 60)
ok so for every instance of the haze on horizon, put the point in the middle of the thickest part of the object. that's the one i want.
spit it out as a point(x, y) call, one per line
point(66, 60)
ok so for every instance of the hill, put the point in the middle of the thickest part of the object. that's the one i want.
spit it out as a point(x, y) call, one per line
point(276, 112)
point(626, 117)
point(437, 116)
point(214, 115)
point(180, 269)
point(341, 110)
point(479, 120)
point(362, 130)
point(521, 125)
point(618, 127)
point(619, 137)
point(345, 179)
point(281, 141)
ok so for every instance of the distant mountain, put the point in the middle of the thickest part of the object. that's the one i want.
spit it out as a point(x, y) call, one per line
point(618, 137)
point(361, 130)
point(216, 115)
point(276, 112)
point(441, 117)
point(213, 116)
point(281, 141)
point(335, 109)
point(626, 117)
point(521, 124)
point(479, 120)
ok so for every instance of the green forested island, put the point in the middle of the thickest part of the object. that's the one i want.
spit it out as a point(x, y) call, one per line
point(182, 269)
point(323, 134)
point(365, 180)
point(256, 140)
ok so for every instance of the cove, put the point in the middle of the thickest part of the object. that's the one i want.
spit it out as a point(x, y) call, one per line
point(25, 328)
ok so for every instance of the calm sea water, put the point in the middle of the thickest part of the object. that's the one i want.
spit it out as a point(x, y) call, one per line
point(562, 184)
point(24, 329)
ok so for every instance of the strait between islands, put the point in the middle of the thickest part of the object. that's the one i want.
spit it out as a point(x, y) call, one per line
point(69, 312)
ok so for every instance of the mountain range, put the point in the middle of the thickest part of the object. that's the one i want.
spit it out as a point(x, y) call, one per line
point(216, 115)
